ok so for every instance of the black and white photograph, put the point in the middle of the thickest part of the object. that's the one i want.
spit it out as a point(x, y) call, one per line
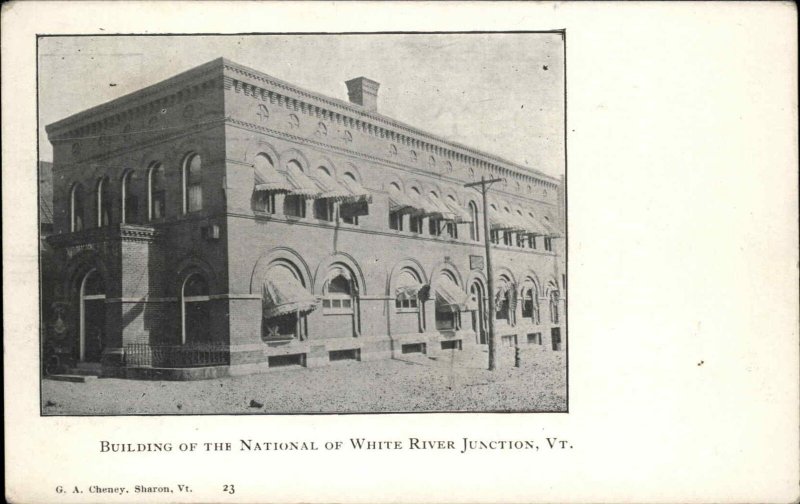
point(317, 223)
point(400, 252)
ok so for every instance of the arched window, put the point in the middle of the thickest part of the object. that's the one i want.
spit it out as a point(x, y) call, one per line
point(76, 208)
point(130, 201)
point(285, 304)
point(522, 238)
point(452, 228)
point(192, 183)
point(338, 295)
point(351, 210)
point(448, 302)
point(195, 316)
point(434, 223)
point(406, 291)
point(324, 208)
point(104, 201)
point(395, 216)
point(530, 301)
point(92, 318)
point(474, 226)
point(293, 204)
point(507, 237)
point(415, 223)
point(156, 193)
point(503, 298)
point(264, 201)
point(554, 298)
point(494, 234)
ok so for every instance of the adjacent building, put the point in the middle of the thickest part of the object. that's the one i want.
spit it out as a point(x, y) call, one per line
point(225, 221)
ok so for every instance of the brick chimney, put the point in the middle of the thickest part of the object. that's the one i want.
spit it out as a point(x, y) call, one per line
point(364, 92)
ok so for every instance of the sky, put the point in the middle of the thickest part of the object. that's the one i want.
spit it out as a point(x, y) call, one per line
point(499, 93)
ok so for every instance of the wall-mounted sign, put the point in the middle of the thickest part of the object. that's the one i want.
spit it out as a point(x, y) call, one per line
point(476, 262)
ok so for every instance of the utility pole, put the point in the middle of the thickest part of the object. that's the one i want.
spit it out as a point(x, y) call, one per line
point(484, 185)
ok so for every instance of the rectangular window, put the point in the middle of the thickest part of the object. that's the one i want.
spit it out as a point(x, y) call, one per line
point(548, 244)
point(434, 227)
point(416, 224)
point(532, 240)
point(452, 230)
point(323, 209)
point(195, 197)
point(265, 202)
point(507, 238)
point(350, 220)
point(527, 308)
point(535, 338)
point(158, 204)
point(294, 206)
point(521, 240)
point(396, 221)
point(131, 209)
point(494, 236)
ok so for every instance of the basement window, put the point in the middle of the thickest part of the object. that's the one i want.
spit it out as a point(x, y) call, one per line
point(342, 355)
point(413, 348)
point(287, 360)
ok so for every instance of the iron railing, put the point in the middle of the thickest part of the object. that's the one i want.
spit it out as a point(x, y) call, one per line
point(176, 356)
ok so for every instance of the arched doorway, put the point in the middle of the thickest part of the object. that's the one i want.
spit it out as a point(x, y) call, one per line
point(479, 311)
point(195, 310)
point(92, 317)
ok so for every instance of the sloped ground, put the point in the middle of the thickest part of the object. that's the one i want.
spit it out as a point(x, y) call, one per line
point(454, 381)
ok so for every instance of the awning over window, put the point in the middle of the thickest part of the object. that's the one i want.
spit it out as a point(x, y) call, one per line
point(502, 221)
point(459, 214)
point(301, 184)
point(449, 296)
point(271, 181)
point(440, 209)
point(282, 294)
point(535, 227)
point(551, 230)
point(501, 290)
point(472, 302)
point(407, 287)
point(330, 188)
point(399, 202)
point(422, 204)
point(358, 194)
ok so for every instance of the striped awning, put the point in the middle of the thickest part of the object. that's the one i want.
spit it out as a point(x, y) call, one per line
point(357, 192)
point(423, 205)
point(400, 202)
point(552, 230)
point(330, 188)
point(503, 288)
point(282, 294)
point(440, 209)
point(302, 185)
point(536, 227)
point(460, 214)
point(271, 181)
point(449, 296)
point(503, 221)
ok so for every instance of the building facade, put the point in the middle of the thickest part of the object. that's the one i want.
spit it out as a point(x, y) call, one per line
point(224, 221)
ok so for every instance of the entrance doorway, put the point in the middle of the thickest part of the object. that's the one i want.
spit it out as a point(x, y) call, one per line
point(92, 317)
point(555, 336)
point(479, 314)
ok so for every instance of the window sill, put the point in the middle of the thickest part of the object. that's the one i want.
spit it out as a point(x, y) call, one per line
point(407, 310)
point(334, 311)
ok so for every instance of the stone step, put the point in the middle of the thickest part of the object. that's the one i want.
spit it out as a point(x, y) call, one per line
point(72, 378)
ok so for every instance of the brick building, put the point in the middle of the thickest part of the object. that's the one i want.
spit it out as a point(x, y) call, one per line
point(224, 221)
